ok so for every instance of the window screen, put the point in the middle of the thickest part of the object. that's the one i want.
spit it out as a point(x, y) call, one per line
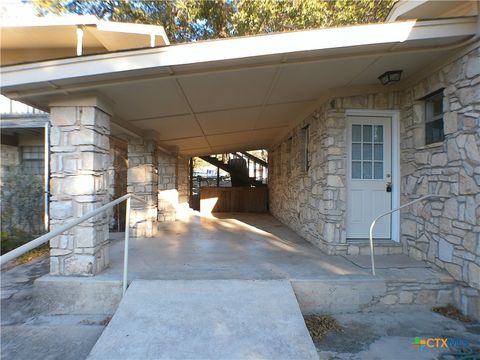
point(304, 149)
point(434, 118)
point(33, 160)
point(289, 156)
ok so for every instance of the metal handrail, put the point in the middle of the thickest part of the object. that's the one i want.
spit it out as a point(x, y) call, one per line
point(388, 213)
point(48, 236)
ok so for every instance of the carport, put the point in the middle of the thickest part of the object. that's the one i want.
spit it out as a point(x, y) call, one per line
point(170, 103)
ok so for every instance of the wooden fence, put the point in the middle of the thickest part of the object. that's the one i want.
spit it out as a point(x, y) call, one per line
point(234, 199)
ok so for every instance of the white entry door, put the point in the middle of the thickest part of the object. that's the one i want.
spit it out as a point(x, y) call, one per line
point(369, 175)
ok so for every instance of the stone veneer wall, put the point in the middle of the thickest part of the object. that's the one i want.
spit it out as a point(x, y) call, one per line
point(313, 203)
point(183, 180)
point(79, 145)
point(445, 233)
point(167, 189)
point(173, 186)
point(142, 180)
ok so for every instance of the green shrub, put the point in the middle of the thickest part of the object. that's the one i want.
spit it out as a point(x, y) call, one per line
point(22, 208)
point(16, 238)
point(22, 202)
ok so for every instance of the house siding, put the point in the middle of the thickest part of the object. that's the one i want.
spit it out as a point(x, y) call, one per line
point(444, 233)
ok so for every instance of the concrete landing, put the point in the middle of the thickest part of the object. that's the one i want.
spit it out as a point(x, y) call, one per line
point(202, 319)
point(238, 246)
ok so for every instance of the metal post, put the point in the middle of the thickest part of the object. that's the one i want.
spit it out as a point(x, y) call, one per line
point(46, 174)
point(372, 257)
point(372, 226)
point(125, 254)
point(218, 177)
point(46, 237)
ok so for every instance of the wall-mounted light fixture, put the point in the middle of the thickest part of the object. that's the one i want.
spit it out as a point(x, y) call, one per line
point(390, 77)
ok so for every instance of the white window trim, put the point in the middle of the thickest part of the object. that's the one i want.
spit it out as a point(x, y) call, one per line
point(305, 138)
point(289, 155)
point(427, 120)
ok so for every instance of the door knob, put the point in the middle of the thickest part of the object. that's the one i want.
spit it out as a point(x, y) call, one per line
point(388, 187)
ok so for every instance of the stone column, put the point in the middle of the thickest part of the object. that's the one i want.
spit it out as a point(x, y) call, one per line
point(142, 180)
point(79, 146)
point(167, 186)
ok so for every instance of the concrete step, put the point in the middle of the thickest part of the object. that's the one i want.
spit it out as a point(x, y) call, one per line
point(338, 295)
point(206, 319)
point(360, 247)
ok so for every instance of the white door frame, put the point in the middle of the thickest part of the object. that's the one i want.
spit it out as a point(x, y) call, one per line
point(395, 116)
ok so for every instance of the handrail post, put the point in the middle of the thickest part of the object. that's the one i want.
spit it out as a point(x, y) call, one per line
point(388, 213)
point(125, 253)
point(46, 237)
point(372, 258)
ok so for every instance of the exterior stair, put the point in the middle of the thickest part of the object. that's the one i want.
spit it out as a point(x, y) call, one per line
point(237, 168)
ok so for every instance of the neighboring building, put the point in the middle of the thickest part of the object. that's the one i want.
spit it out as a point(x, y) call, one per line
point(22, 136)
point(23, 152)
point(67, 36)
point(343, 147)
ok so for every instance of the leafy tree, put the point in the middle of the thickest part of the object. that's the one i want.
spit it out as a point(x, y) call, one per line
point(190, 20)
point(21, 202)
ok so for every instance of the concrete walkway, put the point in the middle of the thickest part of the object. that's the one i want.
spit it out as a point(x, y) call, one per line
point(388, 334)
point(28, 334)
point(229, 246)
point(201, 319)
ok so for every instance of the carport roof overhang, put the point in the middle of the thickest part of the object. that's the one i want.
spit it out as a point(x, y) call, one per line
point(240, 93)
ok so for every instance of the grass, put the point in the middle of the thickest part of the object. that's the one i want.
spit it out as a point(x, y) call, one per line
point(451, 312)
point(43, 250)
point(319, 325)
point(17, 238)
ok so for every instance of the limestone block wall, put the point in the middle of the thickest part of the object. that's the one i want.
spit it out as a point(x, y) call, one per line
point(79, 156)
point(183, 180)
point(313, 202)
point(445, 233)
point(142, 180)
point(173, 186)
point(167, 187)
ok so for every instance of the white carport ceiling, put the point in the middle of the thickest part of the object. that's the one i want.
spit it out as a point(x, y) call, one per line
point(211, 104)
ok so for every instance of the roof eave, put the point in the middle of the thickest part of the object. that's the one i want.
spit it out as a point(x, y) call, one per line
point(17, 77)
